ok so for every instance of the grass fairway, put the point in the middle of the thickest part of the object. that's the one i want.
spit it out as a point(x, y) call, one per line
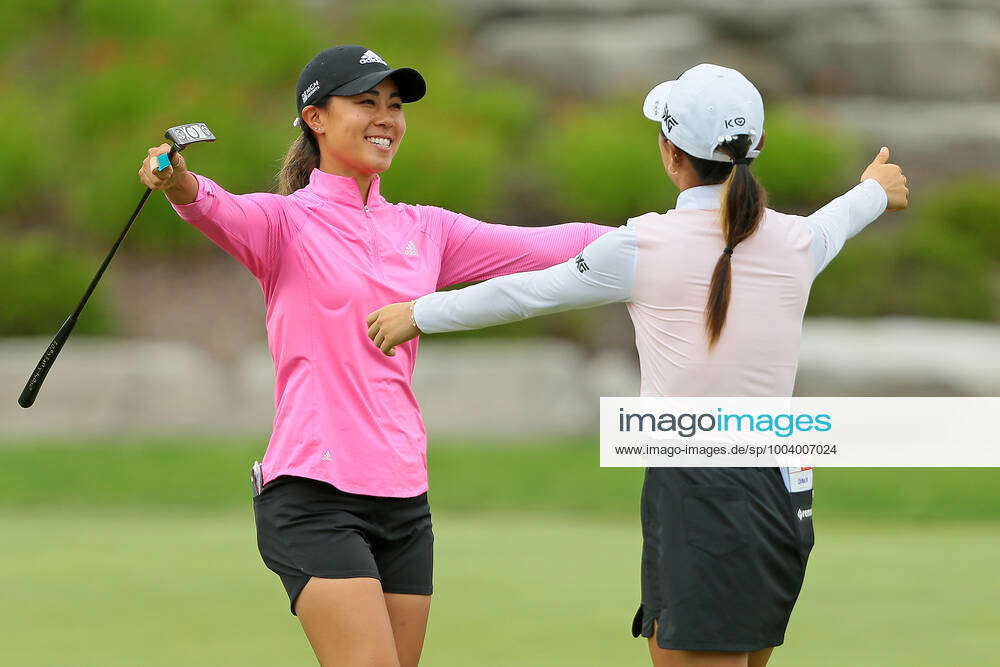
point(550, 476)
point(186, 587)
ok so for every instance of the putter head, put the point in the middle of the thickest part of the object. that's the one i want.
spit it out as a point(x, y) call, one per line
point(192, 133)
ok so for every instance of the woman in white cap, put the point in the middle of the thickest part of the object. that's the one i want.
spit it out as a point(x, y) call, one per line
point(716, 289)
point(341, 504)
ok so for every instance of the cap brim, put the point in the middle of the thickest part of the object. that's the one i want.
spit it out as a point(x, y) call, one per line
point(655, 105)
point(411, 84)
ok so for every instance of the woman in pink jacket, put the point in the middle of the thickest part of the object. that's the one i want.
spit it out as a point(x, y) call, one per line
point(342, 516)
point(716, 288)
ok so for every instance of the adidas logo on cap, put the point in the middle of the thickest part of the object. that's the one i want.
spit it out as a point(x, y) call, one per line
point(370, 56)
point(410, 250)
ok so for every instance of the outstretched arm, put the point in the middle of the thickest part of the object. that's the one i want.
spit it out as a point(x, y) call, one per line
point(251, 227)
point(472, 250)
point(882, 188)
point(602, 273)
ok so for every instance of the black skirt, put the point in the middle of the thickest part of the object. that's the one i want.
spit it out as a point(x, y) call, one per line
point(307, 528)
point(723, 559)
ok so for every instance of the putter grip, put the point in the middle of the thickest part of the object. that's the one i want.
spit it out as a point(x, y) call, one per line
point(45, 364)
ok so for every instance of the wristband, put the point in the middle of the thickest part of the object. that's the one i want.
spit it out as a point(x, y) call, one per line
point(413, 321)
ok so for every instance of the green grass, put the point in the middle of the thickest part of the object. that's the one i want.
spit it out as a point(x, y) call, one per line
point(154, 587)
point(144, 553)
point(560, 476)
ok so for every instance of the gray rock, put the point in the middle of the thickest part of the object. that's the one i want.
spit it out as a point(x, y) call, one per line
point(596, 57)
point(484, 11)
point(503, 390)
point(910, 48)
point(766, 16)
point(108, 387)
point(782, 19)
point(254, 375)
point(471, 391)
point(899, 357)
point(916, 53)
point(947, 136)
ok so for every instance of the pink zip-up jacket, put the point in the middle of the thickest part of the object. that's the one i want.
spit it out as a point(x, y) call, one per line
point(344, 412)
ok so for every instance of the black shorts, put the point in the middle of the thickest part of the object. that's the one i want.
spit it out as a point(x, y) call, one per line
point(723, 558)
point(307, 528)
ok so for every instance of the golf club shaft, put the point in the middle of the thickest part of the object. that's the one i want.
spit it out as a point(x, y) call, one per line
point(27, 398)
point(34, 383)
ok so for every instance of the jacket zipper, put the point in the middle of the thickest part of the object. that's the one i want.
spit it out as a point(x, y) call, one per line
point(376, 257)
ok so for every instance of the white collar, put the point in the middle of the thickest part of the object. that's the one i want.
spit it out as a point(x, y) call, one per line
point(703, 197)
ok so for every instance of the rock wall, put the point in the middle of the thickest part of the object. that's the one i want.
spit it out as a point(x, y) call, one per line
point(920, 75)
point(472, 391)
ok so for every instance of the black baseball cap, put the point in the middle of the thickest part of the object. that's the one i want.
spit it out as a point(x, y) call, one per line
point(351, 70)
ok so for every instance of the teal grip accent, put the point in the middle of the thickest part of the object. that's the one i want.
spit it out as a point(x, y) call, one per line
point(162, 161)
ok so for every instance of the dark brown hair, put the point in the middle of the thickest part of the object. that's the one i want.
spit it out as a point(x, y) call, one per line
point(302, 157)
point(743, 204)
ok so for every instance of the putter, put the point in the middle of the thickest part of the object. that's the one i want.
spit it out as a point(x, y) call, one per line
point(180, 137)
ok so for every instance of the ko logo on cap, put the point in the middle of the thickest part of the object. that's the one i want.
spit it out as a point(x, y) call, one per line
point(736, 122)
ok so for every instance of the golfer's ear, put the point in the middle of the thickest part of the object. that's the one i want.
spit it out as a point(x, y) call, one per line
point(677, 154)
point(310, 115)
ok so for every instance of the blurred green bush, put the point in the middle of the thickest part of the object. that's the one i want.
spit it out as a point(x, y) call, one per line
point(124, 73)
point(601, 163)
point(41, 281)
point(90, 85)
point(460, 150)
point(806, 162)
point(943, 262)
point(148, 66)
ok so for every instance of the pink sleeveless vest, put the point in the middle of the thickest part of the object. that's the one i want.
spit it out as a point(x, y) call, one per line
point(757, 353)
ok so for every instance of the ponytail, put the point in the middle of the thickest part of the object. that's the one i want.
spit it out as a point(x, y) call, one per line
point(302, 157)
point(743, 204)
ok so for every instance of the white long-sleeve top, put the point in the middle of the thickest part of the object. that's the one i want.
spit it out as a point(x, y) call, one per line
point(661, 266)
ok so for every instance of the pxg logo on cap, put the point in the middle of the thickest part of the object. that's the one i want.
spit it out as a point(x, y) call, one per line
point(664, 114)
point(669, 120)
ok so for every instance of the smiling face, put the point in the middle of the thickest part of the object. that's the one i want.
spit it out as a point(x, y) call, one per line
point(359, 135)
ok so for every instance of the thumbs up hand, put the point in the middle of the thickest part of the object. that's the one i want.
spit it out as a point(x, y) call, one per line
point(891, 178)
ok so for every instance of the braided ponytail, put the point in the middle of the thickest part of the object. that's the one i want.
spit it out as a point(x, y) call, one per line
point(743, 204)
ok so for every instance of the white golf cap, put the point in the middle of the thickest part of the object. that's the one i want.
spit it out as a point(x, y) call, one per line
point(703, 107)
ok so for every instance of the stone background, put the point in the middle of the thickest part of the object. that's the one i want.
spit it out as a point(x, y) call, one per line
point(472, 391)
point(920, 76)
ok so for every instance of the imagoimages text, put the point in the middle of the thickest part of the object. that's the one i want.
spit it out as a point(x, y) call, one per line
point(688, 424)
